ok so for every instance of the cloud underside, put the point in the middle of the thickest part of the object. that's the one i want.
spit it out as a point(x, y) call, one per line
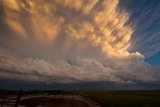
point(68, 41)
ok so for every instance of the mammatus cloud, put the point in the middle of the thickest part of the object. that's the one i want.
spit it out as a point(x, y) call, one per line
point(66, 41)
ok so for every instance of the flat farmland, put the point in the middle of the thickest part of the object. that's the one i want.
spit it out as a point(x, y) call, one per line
point(37, 98)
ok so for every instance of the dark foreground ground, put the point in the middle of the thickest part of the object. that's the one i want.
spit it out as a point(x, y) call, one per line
point(38, 98)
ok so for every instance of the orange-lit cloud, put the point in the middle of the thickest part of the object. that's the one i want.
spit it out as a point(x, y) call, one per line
point(70, 41)
point(104, 28)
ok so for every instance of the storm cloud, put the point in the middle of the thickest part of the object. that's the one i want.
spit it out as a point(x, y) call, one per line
point(69, 41)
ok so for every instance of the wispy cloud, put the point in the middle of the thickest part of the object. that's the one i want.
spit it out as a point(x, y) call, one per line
point(145, 18)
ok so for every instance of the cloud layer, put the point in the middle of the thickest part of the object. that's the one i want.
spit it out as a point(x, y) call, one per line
point(69, 41)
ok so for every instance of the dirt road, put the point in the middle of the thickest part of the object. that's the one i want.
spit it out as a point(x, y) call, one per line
point(55, 101)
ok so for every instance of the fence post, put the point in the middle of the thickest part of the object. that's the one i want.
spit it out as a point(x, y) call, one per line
point(18, 98)
point(5, 94)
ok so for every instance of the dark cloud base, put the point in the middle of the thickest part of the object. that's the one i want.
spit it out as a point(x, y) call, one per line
point(16, 84)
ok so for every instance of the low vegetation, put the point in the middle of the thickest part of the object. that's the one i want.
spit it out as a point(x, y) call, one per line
point(124, 98)
point(135, 98)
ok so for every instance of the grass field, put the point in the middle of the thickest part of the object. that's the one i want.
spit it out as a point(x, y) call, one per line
point(124, 98)
point(134, 98)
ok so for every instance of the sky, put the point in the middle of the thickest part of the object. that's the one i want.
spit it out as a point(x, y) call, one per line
point(80, 44)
